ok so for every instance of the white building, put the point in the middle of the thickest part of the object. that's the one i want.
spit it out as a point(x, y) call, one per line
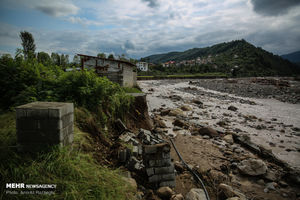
point(143, 66)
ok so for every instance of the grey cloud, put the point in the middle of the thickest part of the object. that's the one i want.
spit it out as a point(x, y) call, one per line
point(57, 9)
point(273, 7)
point(151, 3)
point(129, 45)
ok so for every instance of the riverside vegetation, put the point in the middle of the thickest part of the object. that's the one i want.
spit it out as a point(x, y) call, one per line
point(75, 169)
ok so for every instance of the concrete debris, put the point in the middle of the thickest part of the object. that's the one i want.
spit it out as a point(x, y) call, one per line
point(148, 138)
point(134, 164)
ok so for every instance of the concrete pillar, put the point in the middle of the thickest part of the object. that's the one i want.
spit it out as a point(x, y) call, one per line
point(40, 124)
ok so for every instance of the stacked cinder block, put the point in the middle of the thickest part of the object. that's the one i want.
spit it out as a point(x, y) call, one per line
point(41, 124)
point(159, 167)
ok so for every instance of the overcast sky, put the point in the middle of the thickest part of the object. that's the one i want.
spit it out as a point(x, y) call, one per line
point(140, 28)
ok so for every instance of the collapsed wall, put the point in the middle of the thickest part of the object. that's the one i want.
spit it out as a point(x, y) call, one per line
point(158, 164)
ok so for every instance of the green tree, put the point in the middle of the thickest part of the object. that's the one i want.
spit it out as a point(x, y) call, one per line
point(76, 59)
point(28, 44)
point(43, 58)
point(55, 59)
point(111, 56)
point(101, 55)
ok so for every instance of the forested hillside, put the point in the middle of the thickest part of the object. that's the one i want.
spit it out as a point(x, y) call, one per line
point(245, 58)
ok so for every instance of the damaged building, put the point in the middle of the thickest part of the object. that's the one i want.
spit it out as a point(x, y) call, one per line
point(118, 71)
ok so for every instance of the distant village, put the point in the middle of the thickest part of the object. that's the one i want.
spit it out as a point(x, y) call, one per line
point(144, 66)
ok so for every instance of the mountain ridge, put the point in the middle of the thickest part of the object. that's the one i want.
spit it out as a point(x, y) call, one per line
point(250, 60)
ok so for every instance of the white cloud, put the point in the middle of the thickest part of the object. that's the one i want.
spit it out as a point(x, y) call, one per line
point(171, 25)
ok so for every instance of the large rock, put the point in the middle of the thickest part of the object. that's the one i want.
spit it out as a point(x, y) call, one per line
point(186, 108)
point(228, 138)
point(195, 194)
point(180, 123)
point(253, 167)
point(177, 197)
point(176, 112)
point(232, 108)
point(228, 192)
point(165, 192)
point(208, 131)
point(131, 182)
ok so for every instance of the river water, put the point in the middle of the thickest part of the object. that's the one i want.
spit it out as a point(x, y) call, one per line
point(268, 122)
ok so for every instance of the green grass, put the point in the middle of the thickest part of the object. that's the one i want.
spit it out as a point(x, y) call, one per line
point(131, 90)
point(72, 169)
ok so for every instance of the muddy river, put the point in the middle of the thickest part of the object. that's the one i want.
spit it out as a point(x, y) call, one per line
point(269, 122)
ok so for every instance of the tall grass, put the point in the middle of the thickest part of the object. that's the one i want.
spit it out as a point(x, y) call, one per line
point(73, 169)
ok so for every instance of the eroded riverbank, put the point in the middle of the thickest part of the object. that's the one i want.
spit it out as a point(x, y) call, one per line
point(181, 108)
point(268, 122)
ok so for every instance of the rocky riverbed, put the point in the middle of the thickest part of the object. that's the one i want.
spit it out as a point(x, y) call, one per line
point(220, 125)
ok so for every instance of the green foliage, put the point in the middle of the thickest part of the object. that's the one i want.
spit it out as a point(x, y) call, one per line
point(28, 44)
point(111, 56)
point(43, 58)
point(28, 81)
point(101, 55)
point(132, 90)
point(73, 169)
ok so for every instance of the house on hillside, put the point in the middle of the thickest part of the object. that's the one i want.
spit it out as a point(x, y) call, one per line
point(143, 66)
point(119, 71)
point(169, 64)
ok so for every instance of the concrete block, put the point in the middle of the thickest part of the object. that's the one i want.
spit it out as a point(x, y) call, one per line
point(39, 137)
point(164, 170)
point(150, 171)
point(150, 149)
point(67, 119)
point(37, 113)
point(135, 151)
point(154, 179)
point(166, 155)
point(160, 163)
point(168, 177)
point(171, 184)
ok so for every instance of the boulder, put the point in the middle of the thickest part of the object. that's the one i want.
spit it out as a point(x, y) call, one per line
point(228, 138)
point(232, 108)
point(159, 123)
point(131, 182)
point(176, 112)
point(180, 123)
point(196, 101)
point(208, 131)
point(164, 112)
point(177, 197)
point(228, 192)
point(195, 194)
point(253, 167)
point(233, 198)
point(186, 108)
point(165, 192)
